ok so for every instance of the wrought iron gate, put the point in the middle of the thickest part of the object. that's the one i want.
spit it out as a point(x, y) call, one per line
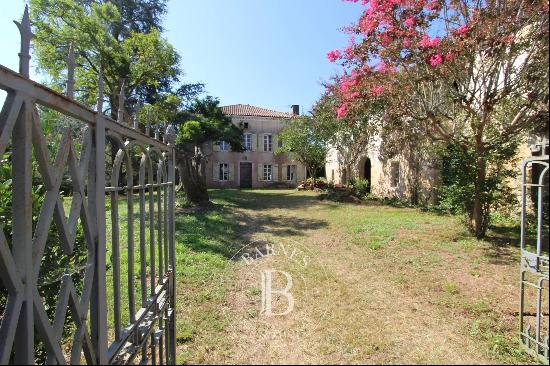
point(534, 317)
point(111, 307)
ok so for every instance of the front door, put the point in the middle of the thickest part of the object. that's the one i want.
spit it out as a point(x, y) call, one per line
point(246, 175)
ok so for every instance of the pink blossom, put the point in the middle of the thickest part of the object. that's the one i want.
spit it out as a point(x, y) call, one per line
point(354, 95)
point(436, 59)
point(449, 57)
point(342, 111)
point(384, 68)
point(509, 38)
point(462, 30)
point(344, 87)
point(406, 42)
point(367, 25)
point(433, 5)
point(409, 22)
point(428, 42)
point(377, 90)
point(386, 39)
point(348, 53)
point(333, 55)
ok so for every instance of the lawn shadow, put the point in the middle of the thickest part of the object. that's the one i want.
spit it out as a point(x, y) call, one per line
point(263, 200)
point(505, 244)
point(237, 217)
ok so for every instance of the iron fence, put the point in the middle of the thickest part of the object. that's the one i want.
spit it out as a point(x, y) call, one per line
point(534, 296)
point(122, 309)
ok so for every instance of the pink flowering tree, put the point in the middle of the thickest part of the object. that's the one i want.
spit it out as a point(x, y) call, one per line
point(473, 74)
point(351, 135)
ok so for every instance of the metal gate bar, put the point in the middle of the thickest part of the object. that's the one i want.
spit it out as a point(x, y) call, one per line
point(534, 264)
point(150, 332)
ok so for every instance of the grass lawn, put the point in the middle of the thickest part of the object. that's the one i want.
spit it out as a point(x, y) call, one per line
point(382, 284)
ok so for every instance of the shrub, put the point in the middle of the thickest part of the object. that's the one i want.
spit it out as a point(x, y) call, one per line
point(360, 187)
point(458, 174)
point(310, 183)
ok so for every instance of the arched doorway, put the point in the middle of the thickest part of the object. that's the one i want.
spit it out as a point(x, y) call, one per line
point(367, 173)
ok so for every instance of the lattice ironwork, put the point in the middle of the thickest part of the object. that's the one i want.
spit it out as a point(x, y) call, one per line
point(534, 289)
point(99, 332)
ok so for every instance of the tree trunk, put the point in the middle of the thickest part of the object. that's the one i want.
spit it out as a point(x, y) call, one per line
point(478, 215)
point(191, 167)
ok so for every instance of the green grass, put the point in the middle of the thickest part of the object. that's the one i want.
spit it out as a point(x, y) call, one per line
point(416, 257)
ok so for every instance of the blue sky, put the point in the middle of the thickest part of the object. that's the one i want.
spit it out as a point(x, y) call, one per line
point(269, 53)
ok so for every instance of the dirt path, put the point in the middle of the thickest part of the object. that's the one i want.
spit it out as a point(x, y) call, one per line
point(381, 285)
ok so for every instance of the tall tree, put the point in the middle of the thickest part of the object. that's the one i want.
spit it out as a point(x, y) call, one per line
point(122, 38)
point(473, 74)
point(305, 142)
point(350, 137)
point(203, 122)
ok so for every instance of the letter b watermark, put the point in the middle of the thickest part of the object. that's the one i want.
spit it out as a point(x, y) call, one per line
point(268, 291)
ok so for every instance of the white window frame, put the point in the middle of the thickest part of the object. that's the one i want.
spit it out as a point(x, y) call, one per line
point(223, 172)
point(268, 172)
point(248, 141)
point(224, 146)
point(268, 142)
point(290, 173)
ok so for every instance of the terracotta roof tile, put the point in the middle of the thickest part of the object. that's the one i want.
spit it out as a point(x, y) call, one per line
point(249, 110)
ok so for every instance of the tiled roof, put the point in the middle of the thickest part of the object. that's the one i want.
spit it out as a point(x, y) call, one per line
point(250, 110)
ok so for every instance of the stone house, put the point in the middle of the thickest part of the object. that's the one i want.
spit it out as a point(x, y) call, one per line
point(406, 176)
point(414, 177)
point(258, 166)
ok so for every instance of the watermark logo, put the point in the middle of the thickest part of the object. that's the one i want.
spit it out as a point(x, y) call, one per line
point(288, 274)
point(268, 291)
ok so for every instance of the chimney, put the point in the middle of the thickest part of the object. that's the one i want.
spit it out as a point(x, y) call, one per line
point(295, 110)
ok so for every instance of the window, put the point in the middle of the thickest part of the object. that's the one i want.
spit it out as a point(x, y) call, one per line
point(223, 172)
point(246, 125)
point(248, 142)
point(268, 143)
point(290, 172)
point(268, 172)
point(224, 146)
point(394, 174)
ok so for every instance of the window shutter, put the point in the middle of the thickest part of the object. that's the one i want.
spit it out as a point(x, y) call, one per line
point(274, 142)
point(254, 142)
point(216, 169)
point(261, 142)
point(275, 172)
point(231, 168)
point(260, 172)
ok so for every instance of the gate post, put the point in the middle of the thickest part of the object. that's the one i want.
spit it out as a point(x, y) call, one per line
point(96, 196)
point(22, 206)
point(170, 138)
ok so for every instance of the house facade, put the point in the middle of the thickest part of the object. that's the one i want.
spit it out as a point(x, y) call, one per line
point(415, 176)
point(258, 166)
point(405, 176)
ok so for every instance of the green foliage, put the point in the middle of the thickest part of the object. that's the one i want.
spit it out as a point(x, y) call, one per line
point(304, 142)
point(122, 38)
point(360, 187)
point(206, 121)
point(458, 173)
point(320, 183)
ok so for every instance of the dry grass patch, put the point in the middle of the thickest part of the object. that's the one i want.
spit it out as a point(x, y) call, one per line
point(386, 285)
